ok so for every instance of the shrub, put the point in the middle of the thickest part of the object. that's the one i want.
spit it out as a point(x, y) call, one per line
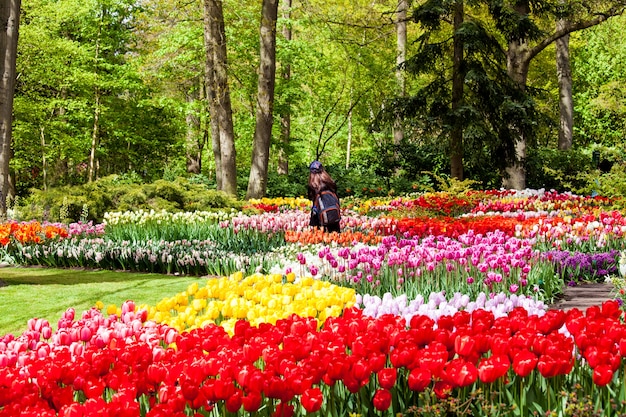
point(91, 201)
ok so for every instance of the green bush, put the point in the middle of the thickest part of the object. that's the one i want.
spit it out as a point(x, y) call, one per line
point(135, 198)
point(557, 169)
point(90, 201)
point(168, 190)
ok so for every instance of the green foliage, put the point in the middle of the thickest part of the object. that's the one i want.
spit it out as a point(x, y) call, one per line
point(70, 203)
point(559, 170)
point(133, 199)
point(599, 60)
point(609, 184)
point(453, 186)
point(493, 109)
point(292, 185)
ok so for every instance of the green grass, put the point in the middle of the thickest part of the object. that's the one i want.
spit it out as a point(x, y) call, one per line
point(46, 293)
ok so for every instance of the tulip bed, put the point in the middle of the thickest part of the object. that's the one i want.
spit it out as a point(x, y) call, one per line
point(423, 305)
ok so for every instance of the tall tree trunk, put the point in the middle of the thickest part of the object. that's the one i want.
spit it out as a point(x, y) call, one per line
point(95, 132)
point(285, 115)
point(456, 135)
point(517, 67)
point(401, 18)
point(195, 138)
point(566, 101)
point(9, 22)
point(257, 184)
point(211, 97)
point(518, 62)
point(349, 142)
point(95, 137)
point(44, 163)
point(219, 95)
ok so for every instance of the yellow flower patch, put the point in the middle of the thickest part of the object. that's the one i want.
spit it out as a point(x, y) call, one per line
point(257, 298)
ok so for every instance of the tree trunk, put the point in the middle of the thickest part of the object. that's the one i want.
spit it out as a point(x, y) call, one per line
point(517, 67)
point(257, 184)
point(456, 135)
point(195, 138)
point(44, 163)
point(211, 97)
point(219, 95)
point(518, 62)
point(349, 142)
point(95, 132)
point(9, 22)
point(95, 137)
point(285, 115)
point(566, 101)
point(403, 5)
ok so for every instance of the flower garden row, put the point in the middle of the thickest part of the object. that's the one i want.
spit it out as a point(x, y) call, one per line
point(408, 310)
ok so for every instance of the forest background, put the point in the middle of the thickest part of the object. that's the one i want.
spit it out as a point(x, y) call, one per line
point(390, 95)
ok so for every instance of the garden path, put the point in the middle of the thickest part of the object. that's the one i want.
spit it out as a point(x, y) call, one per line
point(584, 295)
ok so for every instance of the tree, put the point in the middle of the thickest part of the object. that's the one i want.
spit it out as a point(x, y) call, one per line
point(401, 38)
point(9, 19)
point(257, 184)
point(468, 102)
point(285, 113)
point(218, 93)
point(519, 24)
point(599, 60)
point(566, 103)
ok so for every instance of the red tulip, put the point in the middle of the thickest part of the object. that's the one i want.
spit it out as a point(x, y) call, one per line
point(377, 361)
point(382, 399)
point(575, 321)
point(464, 345)
point(402, 356)
point(252, 401)
point(233, 403)
point(524, 362)
point(360, 370)
point(442, 389)
point(312, 400)
point(461, 373)
point(602, 375)
point(387, 377)
point(72, 410)
point(283, 410)
point(492, 368)
point(419, 379)
point(610, 308)
point(548, 366)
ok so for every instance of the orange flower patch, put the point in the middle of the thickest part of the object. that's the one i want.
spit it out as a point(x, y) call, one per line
point(30, 232)
point(345, 238)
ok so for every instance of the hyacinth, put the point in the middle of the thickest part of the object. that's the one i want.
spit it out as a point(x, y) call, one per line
point(579, 266)
point(438, 305)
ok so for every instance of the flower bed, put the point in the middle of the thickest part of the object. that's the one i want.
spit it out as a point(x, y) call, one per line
point(399, 313)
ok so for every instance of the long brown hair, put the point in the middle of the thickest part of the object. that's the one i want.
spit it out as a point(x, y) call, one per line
point(320, 181)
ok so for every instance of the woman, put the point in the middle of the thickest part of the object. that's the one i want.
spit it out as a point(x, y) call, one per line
point(320, 181)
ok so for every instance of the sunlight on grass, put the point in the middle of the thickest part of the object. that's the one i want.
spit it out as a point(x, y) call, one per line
point(46, 293)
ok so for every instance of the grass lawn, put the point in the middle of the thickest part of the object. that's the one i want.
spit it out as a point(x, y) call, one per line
point(46, 293)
